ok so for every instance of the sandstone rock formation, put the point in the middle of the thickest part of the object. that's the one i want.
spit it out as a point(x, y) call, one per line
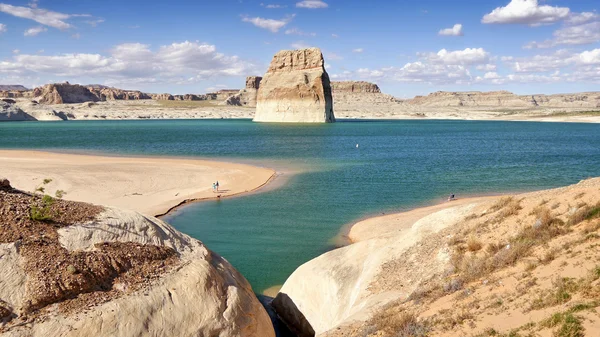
point(163, 97)
point(10, 112)
point(354, 86)
point(61, 93)
point(107, 93)
point(104, 271)
point(296, 88)
point(247, 96)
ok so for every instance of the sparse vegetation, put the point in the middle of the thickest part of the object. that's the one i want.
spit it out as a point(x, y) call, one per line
point(473, 244)
point(563, 288)
point(584, 213)
point(394, 321)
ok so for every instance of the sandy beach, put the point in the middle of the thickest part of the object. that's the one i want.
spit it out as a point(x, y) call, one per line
point(393, 224)
point(151, 186)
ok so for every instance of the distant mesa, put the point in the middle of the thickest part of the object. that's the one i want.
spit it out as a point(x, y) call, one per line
point(355, 87)
point(295, 89)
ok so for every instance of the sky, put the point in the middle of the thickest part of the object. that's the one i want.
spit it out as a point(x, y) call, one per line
point(407, 47)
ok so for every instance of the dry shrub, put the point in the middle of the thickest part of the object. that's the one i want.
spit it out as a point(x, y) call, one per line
point(579, 195)
point(584, 213)
point(561, 293)
point(501, 203)
point(555, 205)
point(510, 206)
point(473, 244)
point(592, 228)
point(394, 321)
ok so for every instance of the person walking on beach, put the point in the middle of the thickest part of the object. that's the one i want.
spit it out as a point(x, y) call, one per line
point(214, 187)
point(217, 184)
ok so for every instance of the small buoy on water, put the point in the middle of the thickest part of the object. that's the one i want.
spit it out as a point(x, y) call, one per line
point(357, 146)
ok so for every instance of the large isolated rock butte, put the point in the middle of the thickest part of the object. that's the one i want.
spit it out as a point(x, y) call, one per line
point(295, 89)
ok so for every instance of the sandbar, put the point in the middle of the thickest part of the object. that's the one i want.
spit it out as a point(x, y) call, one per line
point(150, 185)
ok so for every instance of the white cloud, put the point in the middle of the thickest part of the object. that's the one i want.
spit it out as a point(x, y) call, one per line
point(456, 30)
point(177, 63)
point(579, 18)
point(358, 50)
point(2, 28)
point(526, 12)
point(570, 35)
point(35, 31)
point(94, 23)
point(296, 31)
point(468, 56)
point(486, 67)
point(76, 36)
point(587, 57)
point(269, 24)
point(312, 4)
point(335, 36)
point(43, 16)
point(16, 51)
point(272, 6)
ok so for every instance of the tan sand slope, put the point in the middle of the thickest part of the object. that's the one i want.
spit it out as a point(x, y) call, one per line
point(149, 185)
point(480, 268)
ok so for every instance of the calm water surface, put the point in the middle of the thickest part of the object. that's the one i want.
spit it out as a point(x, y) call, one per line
point(398, 165)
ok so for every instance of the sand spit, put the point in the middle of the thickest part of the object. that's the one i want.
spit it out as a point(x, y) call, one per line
point(151, 186)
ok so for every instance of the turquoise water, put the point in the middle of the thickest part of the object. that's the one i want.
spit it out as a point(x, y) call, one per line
point(398, 165)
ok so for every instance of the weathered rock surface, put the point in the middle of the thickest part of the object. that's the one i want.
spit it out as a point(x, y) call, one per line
point(60, 93)
point(106, 93)
point(193, 292)
point(296, 88)
point(10, 112)
point(354, 86)
point(248, 95)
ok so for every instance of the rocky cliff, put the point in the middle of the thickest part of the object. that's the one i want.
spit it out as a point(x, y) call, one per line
point(247, 96)
point(354, 86)
point(296, 88)
point(107, 93)
point(60, 93)
point(74, 269)
point(12, 87)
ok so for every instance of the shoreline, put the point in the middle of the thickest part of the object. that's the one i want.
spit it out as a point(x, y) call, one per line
point(151, 185)
point(523, 118)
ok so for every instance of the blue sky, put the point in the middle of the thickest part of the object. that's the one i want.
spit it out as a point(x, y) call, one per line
point(407, 47)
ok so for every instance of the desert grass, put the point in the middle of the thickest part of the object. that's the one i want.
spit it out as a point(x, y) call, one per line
point(393, 320)
point(584, 213)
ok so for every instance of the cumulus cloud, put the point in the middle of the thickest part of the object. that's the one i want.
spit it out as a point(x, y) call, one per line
point(486, 67)
point(579, 18)
point(296, 31)
point(35, 31)
point(468, 56)
point(527, 12)
point(456, 30)
point(2, 28)
point(269, 24)
point(570, 35)
point(43, 16)
point(178, 63)
point(312, 4)
point(358, 50)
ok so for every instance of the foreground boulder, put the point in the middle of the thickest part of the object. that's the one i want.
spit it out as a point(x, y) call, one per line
point(295, 89)
point(85, 270)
